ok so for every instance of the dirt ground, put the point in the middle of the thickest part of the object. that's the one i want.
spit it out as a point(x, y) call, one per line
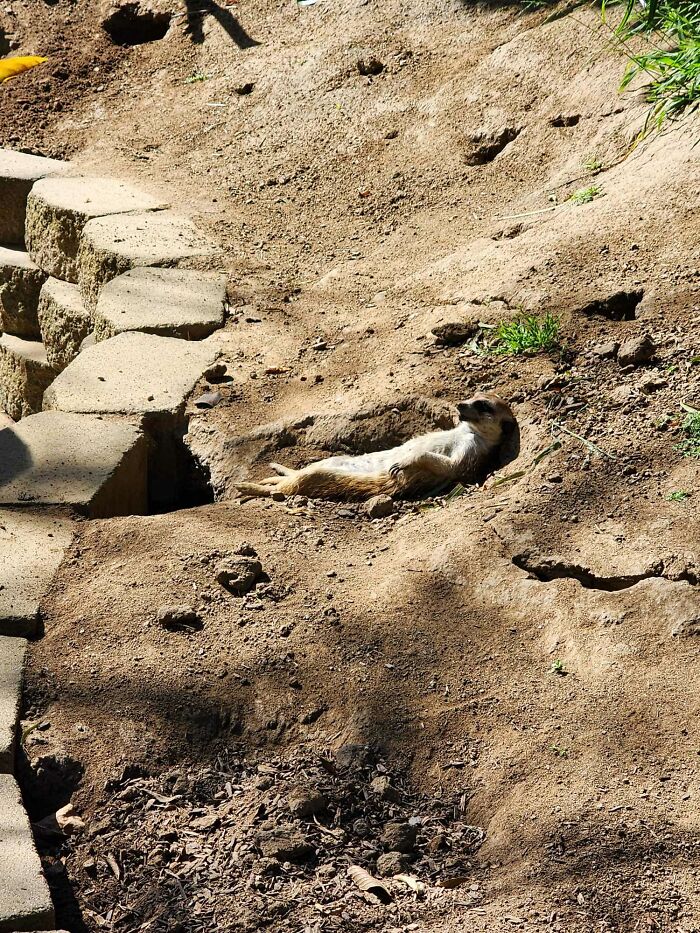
point(520, 660)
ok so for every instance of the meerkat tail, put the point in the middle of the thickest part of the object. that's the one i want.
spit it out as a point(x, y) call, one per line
point(329, 484)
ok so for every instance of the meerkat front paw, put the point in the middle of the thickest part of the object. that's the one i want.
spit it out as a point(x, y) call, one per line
point(395, 470)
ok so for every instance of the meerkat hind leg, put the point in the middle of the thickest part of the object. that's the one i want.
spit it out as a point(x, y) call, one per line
point(282, 470)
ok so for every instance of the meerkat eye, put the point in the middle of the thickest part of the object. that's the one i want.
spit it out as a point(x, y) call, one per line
point(484, 408)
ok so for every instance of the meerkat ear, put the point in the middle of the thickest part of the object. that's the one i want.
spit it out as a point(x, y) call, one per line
point(508, 428)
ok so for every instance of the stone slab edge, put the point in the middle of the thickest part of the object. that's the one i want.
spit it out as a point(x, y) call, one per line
point(25, 902)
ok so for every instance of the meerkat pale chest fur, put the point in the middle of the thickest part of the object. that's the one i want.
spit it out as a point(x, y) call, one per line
point(421, 464)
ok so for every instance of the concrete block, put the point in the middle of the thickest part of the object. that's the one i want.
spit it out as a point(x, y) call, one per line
point(18, 173)
point(25, 373)
point(113, 245)
point(169, 302)
point(132, 374)
point(32, 545)
point(144, 377)
point(63, 321)
point(93, 465)
point(25, 902)
point(59, 208)
point(20, 285)
point(12, 652)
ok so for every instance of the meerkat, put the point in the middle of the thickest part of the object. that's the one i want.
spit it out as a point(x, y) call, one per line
point(462, 453)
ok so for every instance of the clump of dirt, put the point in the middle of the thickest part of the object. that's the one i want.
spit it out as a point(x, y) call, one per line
point(246, 844)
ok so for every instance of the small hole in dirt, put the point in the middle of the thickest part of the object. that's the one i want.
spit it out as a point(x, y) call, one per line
point(621, 306)
point(47, 782)
point(131, 25)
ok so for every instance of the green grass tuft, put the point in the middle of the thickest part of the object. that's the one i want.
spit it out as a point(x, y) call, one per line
point(678, 496)
point(586, 195)
point(526, 334)
point(690, 445)
point(592, 164)
point(670, 60)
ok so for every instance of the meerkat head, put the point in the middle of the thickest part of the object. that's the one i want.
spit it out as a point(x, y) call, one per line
point(489, 416)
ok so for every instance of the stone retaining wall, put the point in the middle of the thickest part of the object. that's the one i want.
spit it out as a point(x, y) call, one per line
point(97, 390)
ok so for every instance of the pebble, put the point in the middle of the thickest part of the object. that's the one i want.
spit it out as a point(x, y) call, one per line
point(305, 802)
point(179, 618)
point(390, 863)
point(239, 575)
point(454, 333)
point(636, 351)
point(399, 836)
point(607, 350)
point(353, 756)
point(381, 786)
point(379, 506)
point(284, 843)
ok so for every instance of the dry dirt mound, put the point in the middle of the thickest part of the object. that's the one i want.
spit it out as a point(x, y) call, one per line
point(526, 649)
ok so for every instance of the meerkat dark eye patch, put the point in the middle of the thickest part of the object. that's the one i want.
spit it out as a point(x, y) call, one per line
point(483, 407)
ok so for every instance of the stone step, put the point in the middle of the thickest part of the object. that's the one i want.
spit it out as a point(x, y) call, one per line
point(20, 285)
point(141, 376)
point(168, 302)
point(18, 173)
point(132, 374)
point(96, 466)
point(25, 373)
point(25, 902)
point(112, 245)
point(32, 545)
point(63, 321)
point(12, 654)
point(59, 208)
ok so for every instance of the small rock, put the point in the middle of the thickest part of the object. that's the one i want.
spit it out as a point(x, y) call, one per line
point(555, 478)
point(636, 351)
point(390, 863)
point(239, 575)
point(436, 844)
point(606, 350)
point(64, 822)
point(454, 333)
point(216, 372)
point(381, 786)
point(399, 836)
point(304, 802)
point(205, 823)
point(379, 506)
point(353, 756)
point(653, 384)
point(179, 618)
point(361, 828)
point(284, 843)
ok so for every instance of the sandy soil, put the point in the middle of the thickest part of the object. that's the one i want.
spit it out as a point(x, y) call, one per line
point(528, 645)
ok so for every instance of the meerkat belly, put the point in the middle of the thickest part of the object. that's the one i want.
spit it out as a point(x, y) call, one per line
point(363, 464)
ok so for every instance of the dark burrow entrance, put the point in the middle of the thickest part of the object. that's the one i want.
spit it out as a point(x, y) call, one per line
point(133, 25)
